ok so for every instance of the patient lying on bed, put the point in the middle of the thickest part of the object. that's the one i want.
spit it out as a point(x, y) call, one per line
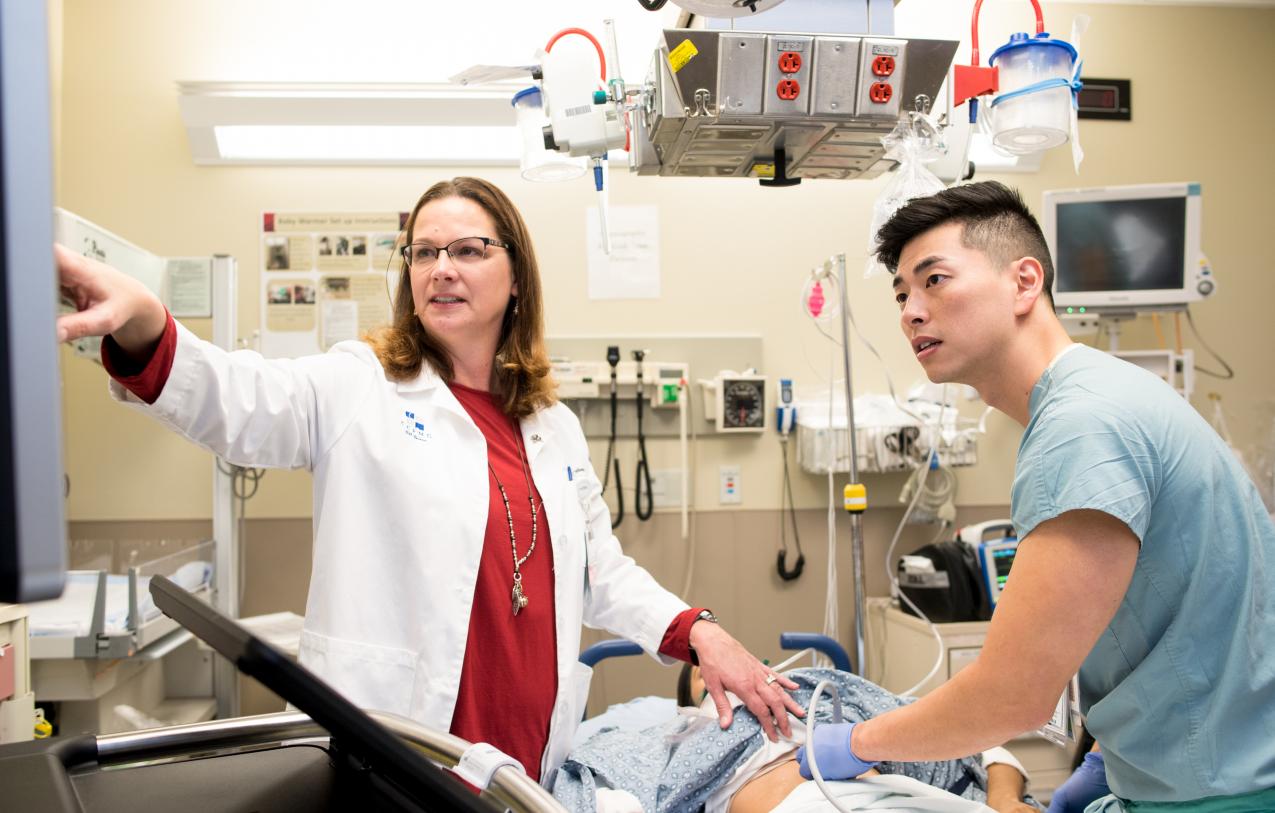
point(689, 762)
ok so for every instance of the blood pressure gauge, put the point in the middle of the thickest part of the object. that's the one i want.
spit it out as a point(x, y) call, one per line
point(741, 403)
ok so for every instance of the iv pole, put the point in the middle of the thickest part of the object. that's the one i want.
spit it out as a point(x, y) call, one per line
point(856, 501)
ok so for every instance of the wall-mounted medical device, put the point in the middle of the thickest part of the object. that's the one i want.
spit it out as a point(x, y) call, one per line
point(778, 106)
point(739, 401)
point(1126, 247)
point(592, 379)
point(996, 543)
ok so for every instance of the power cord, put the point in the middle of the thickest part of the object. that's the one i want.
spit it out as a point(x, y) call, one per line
point(786, 496)
point(244, 482)
point(1230, 373)
point(823, 686)
point(785, 418)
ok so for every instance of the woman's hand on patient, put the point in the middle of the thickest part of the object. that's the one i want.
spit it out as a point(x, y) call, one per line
point(107, 301)
point(727, 667)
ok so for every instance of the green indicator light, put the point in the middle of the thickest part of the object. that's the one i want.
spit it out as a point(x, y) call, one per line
point(1071, 310)
point(1082, 310)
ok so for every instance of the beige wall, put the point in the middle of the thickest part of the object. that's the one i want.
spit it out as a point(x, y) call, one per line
point(733, 255)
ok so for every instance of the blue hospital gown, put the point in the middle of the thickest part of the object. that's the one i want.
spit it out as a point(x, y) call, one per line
point(677, 765)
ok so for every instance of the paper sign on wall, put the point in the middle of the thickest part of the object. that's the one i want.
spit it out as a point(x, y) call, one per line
point(323, 277)
point(632, 269)
point(188, 286)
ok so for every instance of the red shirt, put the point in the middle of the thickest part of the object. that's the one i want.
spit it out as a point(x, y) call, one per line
point(509, 678)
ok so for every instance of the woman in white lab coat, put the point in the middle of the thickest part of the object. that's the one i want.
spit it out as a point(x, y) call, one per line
point(460, 537)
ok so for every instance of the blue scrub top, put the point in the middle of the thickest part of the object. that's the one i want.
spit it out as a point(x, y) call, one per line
point(1180, 688)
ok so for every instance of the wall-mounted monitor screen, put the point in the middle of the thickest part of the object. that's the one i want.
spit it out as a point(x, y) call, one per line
point(1127, 246)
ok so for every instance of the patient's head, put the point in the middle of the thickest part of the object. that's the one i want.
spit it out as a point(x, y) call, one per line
point(690, 686)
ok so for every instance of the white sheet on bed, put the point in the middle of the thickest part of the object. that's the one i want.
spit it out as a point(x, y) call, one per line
point(879, 794)
point(635, 715)
point(71, 615)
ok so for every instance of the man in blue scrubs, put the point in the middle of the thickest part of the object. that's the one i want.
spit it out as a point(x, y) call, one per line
point(1146, 560)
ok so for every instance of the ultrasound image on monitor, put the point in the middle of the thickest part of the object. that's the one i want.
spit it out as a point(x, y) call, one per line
point(1125, 245)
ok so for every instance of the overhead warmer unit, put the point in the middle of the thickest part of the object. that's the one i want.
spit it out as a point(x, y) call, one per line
point(779, 106)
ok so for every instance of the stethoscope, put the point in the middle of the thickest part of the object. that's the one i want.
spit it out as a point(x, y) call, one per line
point(643, 475)
point(613, 358)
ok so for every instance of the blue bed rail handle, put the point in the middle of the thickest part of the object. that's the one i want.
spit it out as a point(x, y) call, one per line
point(820, 643)
point(614, 648)
point(792, 641)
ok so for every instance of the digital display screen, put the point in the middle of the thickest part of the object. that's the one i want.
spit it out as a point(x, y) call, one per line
point(1098, 98)
point(1121, 245)
point(1002, 560)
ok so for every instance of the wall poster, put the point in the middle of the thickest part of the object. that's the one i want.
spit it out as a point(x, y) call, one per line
point(323, 277)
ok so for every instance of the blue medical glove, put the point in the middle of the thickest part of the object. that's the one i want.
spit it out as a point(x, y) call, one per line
point(1089, 782)
point(832, 752)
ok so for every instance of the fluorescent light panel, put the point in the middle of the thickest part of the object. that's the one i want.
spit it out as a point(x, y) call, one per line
point(367, 143)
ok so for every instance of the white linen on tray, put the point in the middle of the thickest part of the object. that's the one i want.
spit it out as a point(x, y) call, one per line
point(71, 615)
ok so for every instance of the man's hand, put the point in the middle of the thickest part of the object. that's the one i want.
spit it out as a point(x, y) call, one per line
point(832, 754)
point(727, 667)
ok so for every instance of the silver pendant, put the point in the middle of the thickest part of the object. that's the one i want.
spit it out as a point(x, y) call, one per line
point(519, 598)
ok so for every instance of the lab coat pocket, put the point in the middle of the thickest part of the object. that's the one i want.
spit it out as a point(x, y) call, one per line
point(370, 676)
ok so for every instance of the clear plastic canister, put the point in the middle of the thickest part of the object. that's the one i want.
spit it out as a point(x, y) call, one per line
point(536, 162)
point(1041, 119)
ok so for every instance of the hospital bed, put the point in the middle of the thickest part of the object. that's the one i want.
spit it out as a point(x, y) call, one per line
point(895, 792)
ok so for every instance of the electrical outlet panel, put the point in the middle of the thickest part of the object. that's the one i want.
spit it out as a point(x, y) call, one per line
point(881, 69)
point(788, 58)
point(729, 492)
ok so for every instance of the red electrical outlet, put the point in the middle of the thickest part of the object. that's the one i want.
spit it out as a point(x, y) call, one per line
point(788, 89)
point(880, 92)
point(883, 65)
point(790, 62)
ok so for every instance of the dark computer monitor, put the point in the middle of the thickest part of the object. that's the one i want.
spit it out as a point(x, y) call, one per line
point(1126, 247)
point(411, 780)
point(32, 489)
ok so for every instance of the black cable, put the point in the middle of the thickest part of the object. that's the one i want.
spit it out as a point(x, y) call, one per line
point(1224, 376)
point(613, 358)
point(652, 5)
point(241, 478)
point(643, 474)
point(781, 565)
point(619, 499)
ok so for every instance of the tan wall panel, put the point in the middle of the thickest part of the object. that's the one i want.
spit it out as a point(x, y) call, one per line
point(734, 574)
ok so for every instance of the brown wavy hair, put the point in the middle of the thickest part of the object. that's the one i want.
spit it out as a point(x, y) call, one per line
point(522, 364)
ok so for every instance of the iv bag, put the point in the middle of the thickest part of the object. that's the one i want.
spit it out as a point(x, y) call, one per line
point(913, 143)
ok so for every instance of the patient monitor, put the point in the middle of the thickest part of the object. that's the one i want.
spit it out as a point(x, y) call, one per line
point(996, 544)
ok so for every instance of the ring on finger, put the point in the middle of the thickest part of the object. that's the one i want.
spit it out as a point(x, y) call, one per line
point(773, 677)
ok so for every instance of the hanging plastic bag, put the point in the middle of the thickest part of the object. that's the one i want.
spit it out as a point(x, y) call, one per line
point(914, 142)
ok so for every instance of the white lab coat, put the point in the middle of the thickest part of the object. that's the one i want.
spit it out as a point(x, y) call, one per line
point(400, 512)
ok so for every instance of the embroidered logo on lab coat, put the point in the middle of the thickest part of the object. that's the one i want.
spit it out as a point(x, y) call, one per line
point(414, 428)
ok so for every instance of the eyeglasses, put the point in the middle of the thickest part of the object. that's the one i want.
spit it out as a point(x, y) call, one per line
point(465, 251)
